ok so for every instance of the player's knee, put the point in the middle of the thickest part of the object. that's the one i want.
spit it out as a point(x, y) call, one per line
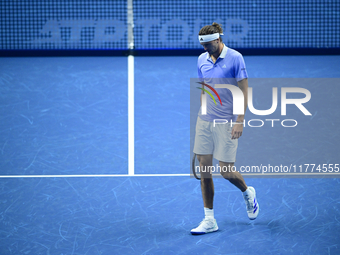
point(204, 160)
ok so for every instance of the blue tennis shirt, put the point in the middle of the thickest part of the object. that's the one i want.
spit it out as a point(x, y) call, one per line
point(229, 68)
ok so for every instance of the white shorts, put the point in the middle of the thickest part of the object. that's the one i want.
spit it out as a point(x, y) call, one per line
point(215, 140)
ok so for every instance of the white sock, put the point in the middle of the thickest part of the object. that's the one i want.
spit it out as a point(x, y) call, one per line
point(209, 213)
point(247, 192)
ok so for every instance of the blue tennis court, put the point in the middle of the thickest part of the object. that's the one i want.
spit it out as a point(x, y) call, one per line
point(68, 116)
point(98, 109)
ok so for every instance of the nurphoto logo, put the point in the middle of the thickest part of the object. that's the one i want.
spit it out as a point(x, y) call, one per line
point(238, 103)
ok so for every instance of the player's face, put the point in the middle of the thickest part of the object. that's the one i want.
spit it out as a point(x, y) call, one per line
point(211, 47)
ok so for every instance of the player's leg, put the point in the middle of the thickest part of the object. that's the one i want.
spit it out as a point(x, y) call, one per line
point(249, 193)
point(225, 151)
point(209, 223)
point(233, 176)
point(207, 184)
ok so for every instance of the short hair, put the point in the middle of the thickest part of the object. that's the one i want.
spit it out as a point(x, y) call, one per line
point(211, 29)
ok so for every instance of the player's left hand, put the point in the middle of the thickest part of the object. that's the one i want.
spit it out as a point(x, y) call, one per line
point(237, 130)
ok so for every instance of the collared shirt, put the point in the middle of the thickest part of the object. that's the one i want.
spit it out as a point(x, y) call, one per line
point(229, 68)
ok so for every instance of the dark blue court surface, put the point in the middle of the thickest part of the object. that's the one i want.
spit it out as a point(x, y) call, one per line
point(65, 116)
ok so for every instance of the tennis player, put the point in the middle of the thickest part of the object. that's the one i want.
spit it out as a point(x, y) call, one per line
point(220, 63)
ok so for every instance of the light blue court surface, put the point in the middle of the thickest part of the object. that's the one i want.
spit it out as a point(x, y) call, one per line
point(65, 116)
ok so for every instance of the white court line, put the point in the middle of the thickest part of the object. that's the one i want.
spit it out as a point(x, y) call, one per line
point(131, 91)
point(145, 175)
point(89, 175)
point(131, 115)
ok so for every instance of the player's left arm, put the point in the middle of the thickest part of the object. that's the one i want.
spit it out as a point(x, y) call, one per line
point(238, 126)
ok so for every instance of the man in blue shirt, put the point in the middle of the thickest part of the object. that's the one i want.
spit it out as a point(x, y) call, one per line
point(220, 65)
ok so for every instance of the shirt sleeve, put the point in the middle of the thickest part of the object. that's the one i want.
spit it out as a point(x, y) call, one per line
point(240, 68)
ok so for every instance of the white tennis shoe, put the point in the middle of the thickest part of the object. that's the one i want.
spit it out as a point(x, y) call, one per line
point(253, 206)
point(206, 226)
